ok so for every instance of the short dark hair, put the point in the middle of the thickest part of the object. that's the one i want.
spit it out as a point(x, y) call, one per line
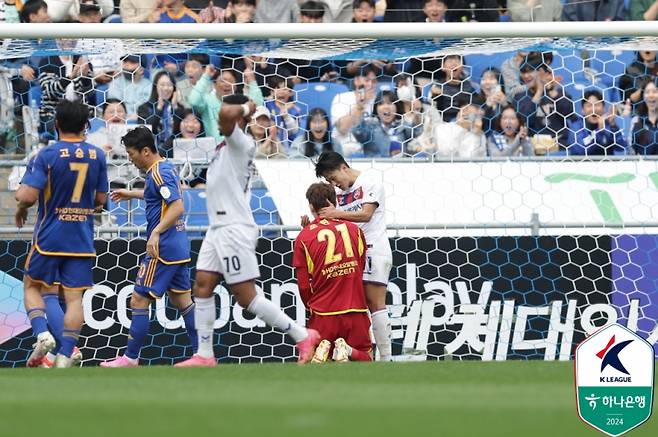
point(328, 161)
point(72, 117)
point(31, 7)
point(235, 99)
point(249, 2)
point(445, 2)
point(595, 93)
point(112, 101)
point(201, 58)
point(139, 138)
point(357, 3)
point(89, 7)
point(319, 193)
point(312, 9)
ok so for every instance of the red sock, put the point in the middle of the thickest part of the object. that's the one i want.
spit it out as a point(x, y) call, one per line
point(358, 355)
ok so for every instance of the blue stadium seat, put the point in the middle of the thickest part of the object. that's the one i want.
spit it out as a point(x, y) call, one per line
point(34, 94)
point(317, 95)
point(95, 124)
point(101, 94)
point(120, 212)
point(195, 205)
point(263, 207)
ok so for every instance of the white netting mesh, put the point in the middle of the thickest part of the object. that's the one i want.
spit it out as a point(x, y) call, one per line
point(490, 142)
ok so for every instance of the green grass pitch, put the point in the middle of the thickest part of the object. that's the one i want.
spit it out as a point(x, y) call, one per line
point(519, 398)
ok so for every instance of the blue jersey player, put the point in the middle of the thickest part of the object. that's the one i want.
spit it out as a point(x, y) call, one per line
point(164, 268)
point(68, 179)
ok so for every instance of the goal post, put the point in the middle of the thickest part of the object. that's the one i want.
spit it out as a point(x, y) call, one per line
point(494, 257)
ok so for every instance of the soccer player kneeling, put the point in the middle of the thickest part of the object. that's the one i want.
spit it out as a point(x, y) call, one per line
point(329, 258)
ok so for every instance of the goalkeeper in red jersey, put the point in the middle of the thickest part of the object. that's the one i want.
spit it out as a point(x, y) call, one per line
point(329, 258)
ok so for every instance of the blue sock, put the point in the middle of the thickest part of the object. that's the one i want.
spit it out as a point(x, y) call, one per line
point(139, 328)
point(37, 318)
point(55, 317)
point(69, 341)
point(188, 317)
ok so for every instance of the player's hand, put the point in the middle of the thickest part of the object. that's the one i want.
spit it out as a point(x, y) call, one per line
point(120, 195)
point(152, 244)
point(27, 72)
point(20, 217)
point(329, 211)
point(305, 221)
point(210, 71)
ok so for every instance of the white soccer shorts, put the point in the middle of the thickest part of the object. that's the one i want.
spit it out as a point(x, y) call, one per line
point(378, 269)
point(231, 252)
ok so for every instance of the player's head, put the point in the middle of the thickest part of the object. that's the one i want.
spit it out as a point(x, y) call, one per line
point(238, 99)
point(140, 146)
point(333, 167)
point(71, 118)
point(319, 195)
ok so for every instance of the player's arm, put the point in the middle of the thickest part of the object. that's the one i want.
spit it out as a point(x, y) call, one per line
point(123, 194)
point(33, 182)
point(230, 114)
point(170, 193)
point(300, 264)
point(363, 216)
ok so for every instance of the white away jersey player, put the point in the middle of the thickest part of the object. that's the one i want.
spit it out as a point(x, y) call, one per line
point(229, 246)
point(379, 258)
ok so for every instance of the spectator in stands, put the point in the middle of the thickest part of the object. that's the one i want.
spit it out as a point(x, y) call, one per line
point(434, 11)
point(241, 11)
point(62, 77)
point(9, 11)
point(14, 76)
point(510, 135)
point(644, 10)
point(645, 124)
point(194, 66)
point(277, 11)
point(67, 10)
point(379, 134)
point(311, 12)
point(473, 10)
point(418, 119)
point(190, 126)
point(492, 99)
point(137, 11)
point(132, 88)
point(174, 11)
point(637, 75)
point(114, 112)
point(210, 11)
point(535, 10)
point(35, 11)
point(461, 138)
point(162, 111)
point(316, 138)
point(264, 131)
point(207, 104)
point(404, 11)
point(364, 11)
point(284, 110)
point(350, 108)
point(511, 73)
point(338, 11)
point(544, 104)
point(594, 10)
point(597, 133)
point(452, 84)
point(107, 64)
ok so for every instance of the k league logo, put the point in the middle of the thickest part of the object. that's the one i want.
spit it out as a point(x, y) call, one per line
point(614, 371)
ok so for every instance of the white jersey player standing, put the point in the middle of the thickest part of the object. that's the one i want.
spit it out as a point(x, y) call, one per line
point(229, 246)
point(361, 199)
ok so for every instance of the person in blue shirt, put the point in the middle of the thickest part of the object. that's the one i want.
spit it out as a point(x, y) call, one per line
point(164, 267)
point(597, 133)
point(174, 11)
point(68, 179)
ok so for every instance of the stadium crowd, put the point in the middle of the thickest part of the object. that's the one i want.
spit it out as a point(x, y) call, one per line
point(419, 107)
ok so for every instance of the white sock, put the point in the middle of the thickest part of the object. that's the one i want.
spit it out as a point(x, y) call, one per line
point(204, 319)
point(381, 329)
point(276, 318)
point(62, 362)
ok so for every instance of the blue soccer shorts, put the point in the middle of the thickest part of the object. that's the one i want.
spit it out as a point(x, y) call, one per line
point(71, 272)
point(155, 278)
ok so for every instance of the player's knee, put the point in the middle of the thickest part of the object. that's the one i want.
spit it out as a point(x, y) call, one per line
point(137, 301)
point(244, 293)
point(180, 300)
point(202, 289)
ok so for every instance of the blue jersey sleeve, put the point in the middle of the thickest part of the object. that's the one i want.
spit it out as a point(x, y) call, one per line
point(169, 188)
point(37, 172)
point(103, 185)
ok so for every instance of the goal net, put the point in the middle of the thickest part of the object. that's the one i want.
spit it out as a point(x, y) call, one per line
point(521, 184)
